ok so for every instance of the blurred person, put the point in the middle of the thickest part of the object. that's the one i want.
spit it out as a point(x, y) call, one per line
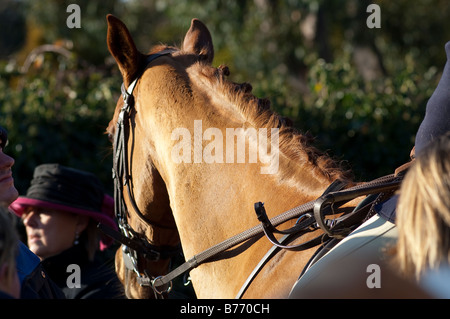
point(8, 193)
point(60, 212)
point(34, 283)
point(435, 123)
point(423, 219)
point(9, 279)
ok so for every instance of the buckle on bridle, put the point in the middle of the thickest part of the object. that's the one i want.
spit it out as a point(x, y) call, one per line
point(160, 292)
point(128, 99)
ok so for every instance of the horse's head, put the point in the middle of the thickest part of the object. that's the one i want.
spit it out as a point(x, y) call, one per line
point(147, 185)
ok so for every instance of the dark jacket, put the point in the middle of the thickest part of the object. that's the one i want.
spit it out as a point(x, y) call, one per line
point(97, 278)
point(435, 123)
point(35, 283)
point(4, 295)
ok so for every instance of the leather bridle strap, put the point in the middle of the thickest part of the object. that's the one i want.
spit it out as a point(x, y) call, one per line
point(208, 254)
point(120, 169)
point(342, 227)
point(307, 220)
point(147, 250)
point(136, 243)
point(231, 242)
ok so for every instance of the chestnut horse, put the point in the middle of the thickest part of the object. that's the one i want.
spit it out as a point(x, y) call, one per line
point(188, 177)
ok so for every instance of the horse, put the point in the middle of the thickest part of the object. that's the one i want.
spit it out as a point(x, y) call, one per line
point(201, 151)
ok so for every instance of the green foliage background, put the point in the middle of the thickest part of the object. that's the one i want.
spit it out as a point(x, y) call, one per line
point(57, 110)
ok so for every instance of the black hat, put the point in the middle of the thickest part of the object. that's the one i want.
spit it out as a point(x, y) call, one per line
point(67, 189)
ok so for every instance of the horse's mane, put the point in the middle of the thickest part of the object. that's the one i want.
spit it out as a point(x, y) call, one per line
point(258, 112)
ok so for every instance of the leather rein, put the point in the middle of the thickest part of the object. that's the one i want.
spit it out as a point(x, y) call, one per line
point(310, 216)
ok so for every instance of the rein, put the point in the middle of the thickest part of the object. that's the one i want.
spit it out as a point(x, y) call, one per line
point(310, 216)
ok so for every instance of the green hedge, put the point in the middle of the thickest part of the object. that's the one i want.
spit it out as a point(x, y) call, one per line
point(59, 109)
point(371, 124)
point(58, 113)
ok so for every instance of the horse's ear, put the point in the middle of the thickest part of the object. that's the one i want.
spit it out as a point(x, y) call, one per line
point(123, 49)
point(198, 41)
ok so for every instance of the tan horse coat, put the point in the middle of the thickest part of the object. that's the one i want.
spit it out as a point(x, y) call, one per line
point(210, 202)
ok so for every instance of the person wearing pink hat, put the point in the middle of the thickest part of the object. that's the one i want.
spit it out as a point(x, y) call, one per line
point(33, 281)
point(60, 212)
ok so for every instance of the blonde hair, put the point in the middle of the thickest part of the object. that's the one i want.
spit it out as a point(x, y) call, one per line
point(8, 244)
point(423, 211)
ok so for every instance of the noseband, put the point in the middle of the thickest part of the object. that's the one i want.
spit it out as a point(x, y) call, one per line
point(133, 243)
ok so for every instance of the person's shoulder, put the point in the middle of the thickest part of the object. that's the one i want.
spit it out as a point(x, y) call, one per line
point(99, 281)
point(4, 295)
point(435, 281)
point(26, 261)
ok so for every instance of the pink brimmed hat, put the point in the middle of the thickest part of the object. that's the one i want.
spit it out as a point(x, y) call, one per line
point(70, 190)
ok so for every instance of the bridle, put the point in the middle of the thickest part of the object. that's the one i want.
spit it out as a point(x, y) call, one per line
point(310, 216)
point(133, 243)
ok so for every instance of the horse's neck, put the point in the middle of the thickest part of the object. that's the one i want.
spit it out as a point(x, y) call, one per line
point(225, 192)
point(215, 202)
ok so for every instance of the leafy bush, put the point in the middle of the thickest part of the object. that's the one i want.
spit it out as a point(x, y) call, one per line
point(58, 110)
point(58, 113)
point(372, 124)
